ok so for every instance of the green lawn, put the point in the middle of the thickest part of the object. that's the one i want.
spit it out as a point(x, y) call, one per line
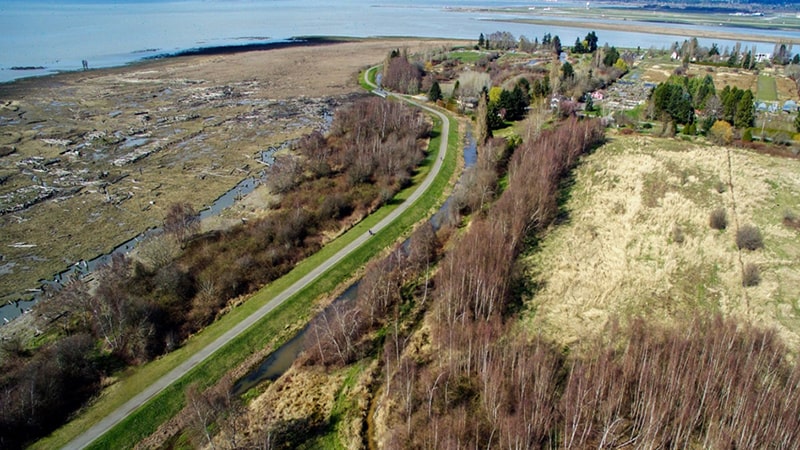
point(466, 56)
point(767, 89)
point(270, 330)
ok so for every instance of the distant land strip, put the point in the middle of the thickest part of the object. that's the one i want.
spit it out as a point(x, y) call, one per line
point(654, 29)
point(249, 47)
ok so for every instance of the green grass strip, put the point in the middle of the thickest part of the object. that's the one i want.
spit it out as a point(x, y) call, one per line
point(145, 420)
point(767, 89)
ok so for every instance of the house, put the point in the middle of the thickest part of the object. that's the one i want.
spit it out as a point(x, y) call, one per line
point(790, 106)
point(469, 103)
point(598, 95)
point(555, 101)
point(761, 107)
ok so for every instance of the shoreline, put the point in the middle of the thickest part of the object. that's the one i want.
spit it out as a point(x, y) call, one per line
point(292, 42)
point(640, 27)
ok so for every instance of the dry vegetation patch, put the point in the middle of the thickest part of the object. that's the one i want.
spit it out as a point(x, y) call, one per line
point(107, 151)
point(617, 254)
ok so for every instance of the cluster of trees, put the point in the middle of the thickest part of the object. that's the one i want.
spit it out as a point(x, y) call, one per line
point(457, 391)
point(139, 309)
point(738, 106)
point(345, 331)
point(503, 40)
point(728, 385)
point(502, 104)
point(483, 383)
point(587, 45)
point(39, 391)
point(401, 75)
point(691, 51)
point(677, 99)
point(674, 101)
point(782, 55)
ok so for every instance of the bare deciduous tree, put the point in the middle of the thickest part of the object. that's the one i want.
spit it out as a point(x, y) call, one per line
point(182, 221)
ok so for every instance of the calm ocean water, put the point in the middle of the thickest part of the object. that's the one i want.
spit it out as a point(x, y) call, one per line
point(58, 34)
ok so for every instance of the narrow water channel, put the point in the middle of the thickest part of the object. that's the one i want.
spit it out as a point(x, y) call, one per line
point(279, 361)
point(15, 309)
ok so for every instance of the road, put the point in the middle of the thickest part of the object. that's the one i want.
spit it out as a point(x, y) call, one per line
point(88, 436)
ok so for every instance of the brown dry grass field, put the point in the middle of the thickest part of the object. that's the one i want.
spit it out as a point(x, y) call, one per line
point(199, 120)
point(619, 253)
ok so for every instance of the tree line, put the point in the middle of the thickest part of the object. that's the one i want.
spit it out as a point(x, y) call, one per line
point(677, 100)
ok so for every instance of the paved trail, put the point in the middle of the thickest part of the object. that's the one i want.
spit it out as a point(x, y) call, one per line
point(88, 436)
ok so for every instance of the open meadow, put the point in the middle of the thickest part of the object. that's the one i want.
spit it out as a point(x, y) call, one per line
point(636, 240)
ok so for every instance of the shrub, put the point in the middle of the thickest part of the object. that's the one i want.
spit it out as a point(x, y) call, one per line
point(677, 234)
point(718, 219)
point(721, 132)
point(750, 275)
point(749, 237)
point(791, 220)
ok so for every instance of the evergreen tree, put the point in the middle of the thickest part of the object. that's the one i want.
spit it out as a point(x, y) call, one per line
point(481, 41)
point(525, 85)
point(672, 101)
point(746, 61)
point(556, 45)
point(796, 59)
point(456, 86)
point(591, 42)
point(567, 72)
point(730, 100)
point(435, 92)
point(704, 90)
point(732, 59)
point(578, 47)
point(589, 103)
point(797, 122)
point(494, 116)
point(541, 87)
point(745, 110)
point(519, 101)
point(611, 56)
point(714, 50)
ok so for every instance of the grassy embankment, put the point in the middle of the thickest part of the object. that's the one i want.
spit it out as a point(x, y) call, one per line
point(269, 331)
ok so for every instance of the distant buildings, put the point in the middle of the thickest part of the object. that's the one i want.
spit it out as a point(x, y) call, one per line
point(761, 57)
